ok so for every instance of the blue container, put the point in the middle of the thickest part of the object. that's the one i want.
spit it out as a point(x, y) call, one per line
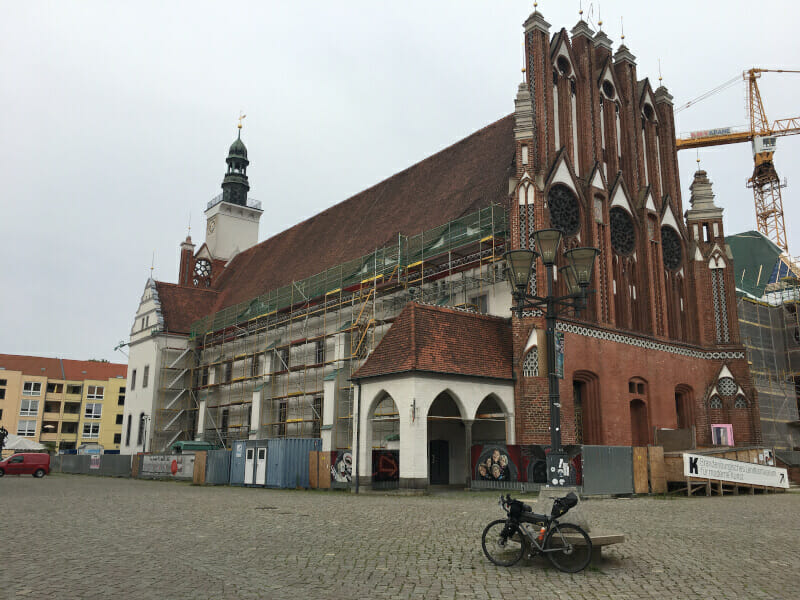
point(287, 462)
point(237, 462)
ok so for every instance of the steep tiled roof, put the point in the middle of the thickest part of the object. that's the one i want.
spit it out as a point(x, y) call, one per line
point(55, 368)
point(442, 340)
point(458, 180)
point(181, 306)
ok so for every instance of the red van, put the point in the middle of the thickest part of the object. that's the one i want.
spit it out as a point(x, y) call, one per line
point(27, 463)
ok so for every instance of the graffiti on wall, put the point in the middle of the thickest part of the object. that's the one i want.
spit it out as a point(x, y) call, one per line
point(496, 463)
point(342, 467)
point(385, 465)
point(179, 466)
point(526, 463)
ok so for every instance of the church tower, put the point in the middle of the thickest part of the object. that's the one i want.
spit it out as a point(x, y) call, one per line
point(231, 218)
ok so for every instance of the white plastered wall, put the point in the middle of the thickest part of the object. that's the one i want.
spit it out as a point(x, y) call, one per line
point(416, 392)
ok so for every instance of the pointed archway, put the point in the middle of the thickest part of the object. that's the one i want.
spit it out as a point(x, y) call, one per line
point(384, 427)
point(446, 440)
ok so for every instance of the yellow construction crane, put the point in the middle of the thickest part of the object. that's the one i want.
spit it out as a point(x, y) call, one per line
point(762, 134)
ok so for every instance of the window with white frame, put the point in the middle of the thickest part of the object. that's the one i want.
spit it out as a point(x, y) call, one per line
point(26, 428)
point(146, 376)
point(32, 388)
point(28, 408)
point(93, 410)
point(91, 431)
point(95, 392)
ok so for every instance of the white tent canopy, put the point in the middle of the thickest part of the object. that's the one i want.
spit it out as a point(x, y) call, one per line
point(15, 442)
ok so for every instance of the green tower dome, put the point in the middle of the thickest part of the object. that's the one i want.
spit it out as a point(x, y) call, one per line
point(235, 185)
point(238, 149)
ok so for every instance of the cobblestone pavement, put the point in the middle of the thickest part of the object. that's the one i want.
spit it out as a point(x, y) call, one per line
point(71, 536)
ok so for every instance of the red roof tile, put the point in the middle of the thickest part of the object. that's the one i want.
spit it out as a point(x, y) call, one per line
point(55, 368)
point(181, 306)
point(461, 179)
point(442, 340)
point(89, 369)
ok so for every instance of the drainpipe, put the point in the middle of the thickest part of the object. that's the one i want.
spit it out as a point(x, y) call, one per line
point(358, 434)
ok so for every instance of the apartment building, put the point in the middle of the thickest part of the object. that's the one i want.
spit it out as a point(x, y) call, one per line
point(62, 403)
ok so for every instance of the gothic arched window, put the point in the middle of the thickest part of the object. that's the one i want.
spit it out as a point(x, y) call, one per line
point(623, 233)
point(671, 248)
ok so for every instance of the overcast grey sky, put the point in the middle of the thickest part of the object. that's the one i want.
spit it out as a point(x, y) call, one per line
point(115, 120)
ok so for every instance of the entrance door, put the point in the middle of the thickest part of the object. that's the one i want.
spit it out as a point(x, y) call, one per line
point(248, 466)
point(439, 462)
point(261, 466)
point(640, 434)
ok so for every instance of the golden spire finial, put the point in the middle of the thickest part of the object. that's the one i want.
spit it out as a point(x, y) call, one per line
point(580, 9)
point(622, 28)
point(599, 18)
point(241, 116)
point(698, 160)
point(659, 72)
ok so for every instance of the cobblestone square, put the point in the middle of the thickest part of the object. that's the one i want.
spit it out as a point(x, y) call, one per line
point(71, 536)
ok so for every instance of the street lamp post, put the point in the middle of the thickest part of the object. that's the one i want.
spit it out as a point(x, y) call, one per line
point(577, 275)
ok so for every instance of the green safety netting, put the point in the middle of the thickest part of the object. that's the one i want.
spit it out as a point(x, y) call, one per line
point(386, 261)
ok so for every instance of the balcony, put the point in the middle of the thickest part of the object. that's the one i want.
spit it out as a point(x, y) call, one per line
point(48, 437)
point(251, 202)
point(51, 416)
point(69, 437)
point(71, 417)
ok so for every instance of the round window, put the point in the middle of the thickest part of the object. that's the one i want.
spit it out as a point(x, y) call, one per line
point(623, 234)
point(726, 386)
point(564, 211)
point(202, 268)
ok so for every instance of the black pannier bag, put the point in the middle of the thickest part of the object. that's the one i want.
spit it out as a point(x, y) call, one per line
point(517, 509)
point(562, 505)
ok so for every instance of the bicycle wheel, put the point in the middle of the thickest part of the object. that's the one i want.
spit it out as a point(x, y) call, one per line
point(568, 547)
point(500, 548)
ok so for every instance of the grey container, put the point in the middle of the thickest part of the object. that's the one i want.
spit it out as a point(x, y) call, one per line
point(287, 462)
point(237, 462)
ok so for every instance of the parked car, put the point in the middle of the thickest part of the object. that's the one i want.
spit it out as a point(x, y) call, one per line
point(26, 463)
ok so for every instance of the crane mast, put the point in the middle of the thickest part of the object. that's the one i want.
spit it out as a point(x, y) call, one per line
point(762, 134)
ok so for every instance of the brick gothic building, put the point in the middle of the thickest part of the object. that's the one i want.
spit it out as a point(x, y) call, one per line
point(596, 158)
point(384, 353)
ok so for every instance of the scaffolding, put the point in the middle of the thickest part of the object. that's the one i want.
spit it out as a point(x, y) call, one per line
point(770, 330)
point(260, 368)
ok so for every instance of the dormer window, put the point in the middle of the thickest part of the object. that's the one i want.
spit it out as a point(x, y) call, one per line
point(649, 113)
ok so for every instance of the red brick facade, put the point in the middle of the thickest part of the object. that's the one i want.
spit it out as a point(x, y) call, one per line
point(650, 349)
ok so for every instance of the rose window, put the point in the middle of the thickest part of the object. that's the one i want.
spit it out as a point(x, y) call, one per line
point(202, 268)
point(564, 211)
point(726, 386)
